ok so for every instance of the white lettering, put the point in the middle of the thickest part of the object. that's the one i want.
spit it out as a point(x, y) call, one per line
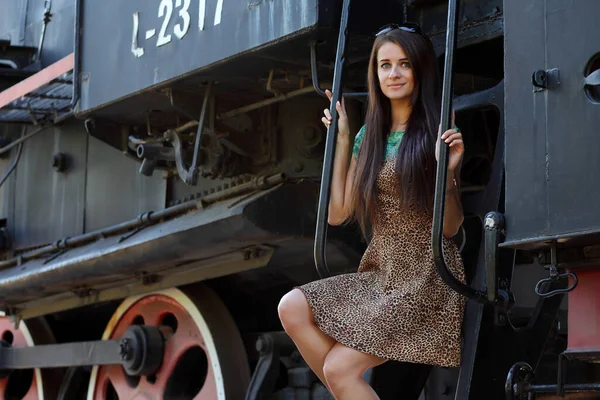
point(135, 49)
point(201, 14)
point(164, 9)
point(150, 33)
point(185, 16)
point(181, 28)
point(218, 12)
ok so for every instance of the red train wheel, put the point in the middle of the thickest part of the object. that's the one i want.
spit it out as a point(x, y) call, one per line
point(32, 384)
point(204, 355)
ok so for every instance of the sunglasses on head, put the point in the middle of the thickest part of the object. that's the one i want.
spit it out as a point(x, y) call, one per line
point(407, 27)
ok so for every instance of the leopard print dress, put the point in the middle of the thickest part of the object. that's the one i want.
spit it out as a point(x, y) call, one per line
point(396, 306)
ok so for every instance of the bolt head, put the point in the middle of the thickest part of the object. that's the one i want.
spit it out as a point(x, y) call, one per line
point(59, 162)
point(262, 345)
point(490, 223)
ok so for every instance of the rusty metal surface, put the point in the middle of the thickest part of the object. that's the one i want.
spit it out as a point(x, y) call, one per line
point(49, 101)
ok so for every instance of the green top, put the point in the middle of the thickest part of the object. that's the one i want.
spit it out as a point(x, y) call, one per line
point(390, 149)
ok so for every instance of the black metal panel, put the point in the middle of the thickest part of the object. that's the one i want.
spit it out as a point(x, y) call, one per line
point(101, 352)
point(107, 44)
point(525, 120)
point(59, 37)
point(573, 121)
point(99, 187)
point(479, 20)
point(115, 191)
point(14, 57)
point(7, 200)
point(21, 22)
point(551, 161)
point(12, 21)
point(50, 204)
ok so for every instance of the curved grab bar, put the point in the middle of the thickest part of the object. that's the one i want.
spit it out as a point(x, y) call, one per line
point(313, 69)
point(442, 166)
point(570, 288)
point(330, 141)
point(315, 76)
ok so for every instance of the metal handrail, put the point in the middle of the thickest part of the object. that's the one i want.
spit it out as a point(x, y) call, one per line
point(315, 76)
point(330, 142)
point(442, 166)
point(313, 69)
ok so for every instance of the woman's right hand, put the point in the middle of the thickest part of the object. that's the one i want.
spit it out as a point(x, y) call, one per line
point(343, 125)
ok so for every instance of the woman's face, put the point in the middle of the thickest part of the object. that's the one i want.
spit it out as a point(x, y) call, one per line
point(395, 73)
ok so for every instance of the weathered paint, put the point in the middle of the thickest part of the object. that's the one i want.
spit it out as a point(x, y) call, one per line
point(149, 43)
point(99, 187)
point(16, 98)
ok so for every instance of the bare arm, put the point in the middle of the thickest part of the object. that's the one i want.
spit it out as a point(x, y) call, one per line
point(341, 186)
point(453, 212)
point(343, 167)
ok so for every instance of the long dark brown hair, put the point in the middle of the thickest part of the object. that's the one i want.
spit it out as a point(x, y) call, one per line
point(415, 163)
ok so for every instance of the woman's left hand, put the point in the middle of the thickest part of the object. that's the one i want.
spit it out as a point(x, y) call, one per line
point(456, 148)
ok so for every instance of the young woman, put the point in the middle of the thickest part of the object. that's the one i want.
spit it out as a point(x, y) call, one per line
point(396, 307)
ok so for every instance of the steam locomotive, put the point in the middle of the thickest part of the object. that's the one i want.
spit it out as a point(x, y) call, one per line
point(163, 164)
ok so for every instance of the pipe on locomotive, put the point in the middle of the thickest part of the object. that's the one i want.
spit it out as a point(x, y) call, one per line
point(145, 219)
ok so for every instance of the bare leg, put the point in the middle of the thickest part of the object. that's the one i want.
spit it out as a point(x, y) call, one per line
point(343, 371)
point(299, 323)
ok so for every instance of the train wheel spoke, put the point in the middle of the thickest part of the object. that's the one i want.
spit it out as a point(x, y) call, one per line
point(192, 367)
